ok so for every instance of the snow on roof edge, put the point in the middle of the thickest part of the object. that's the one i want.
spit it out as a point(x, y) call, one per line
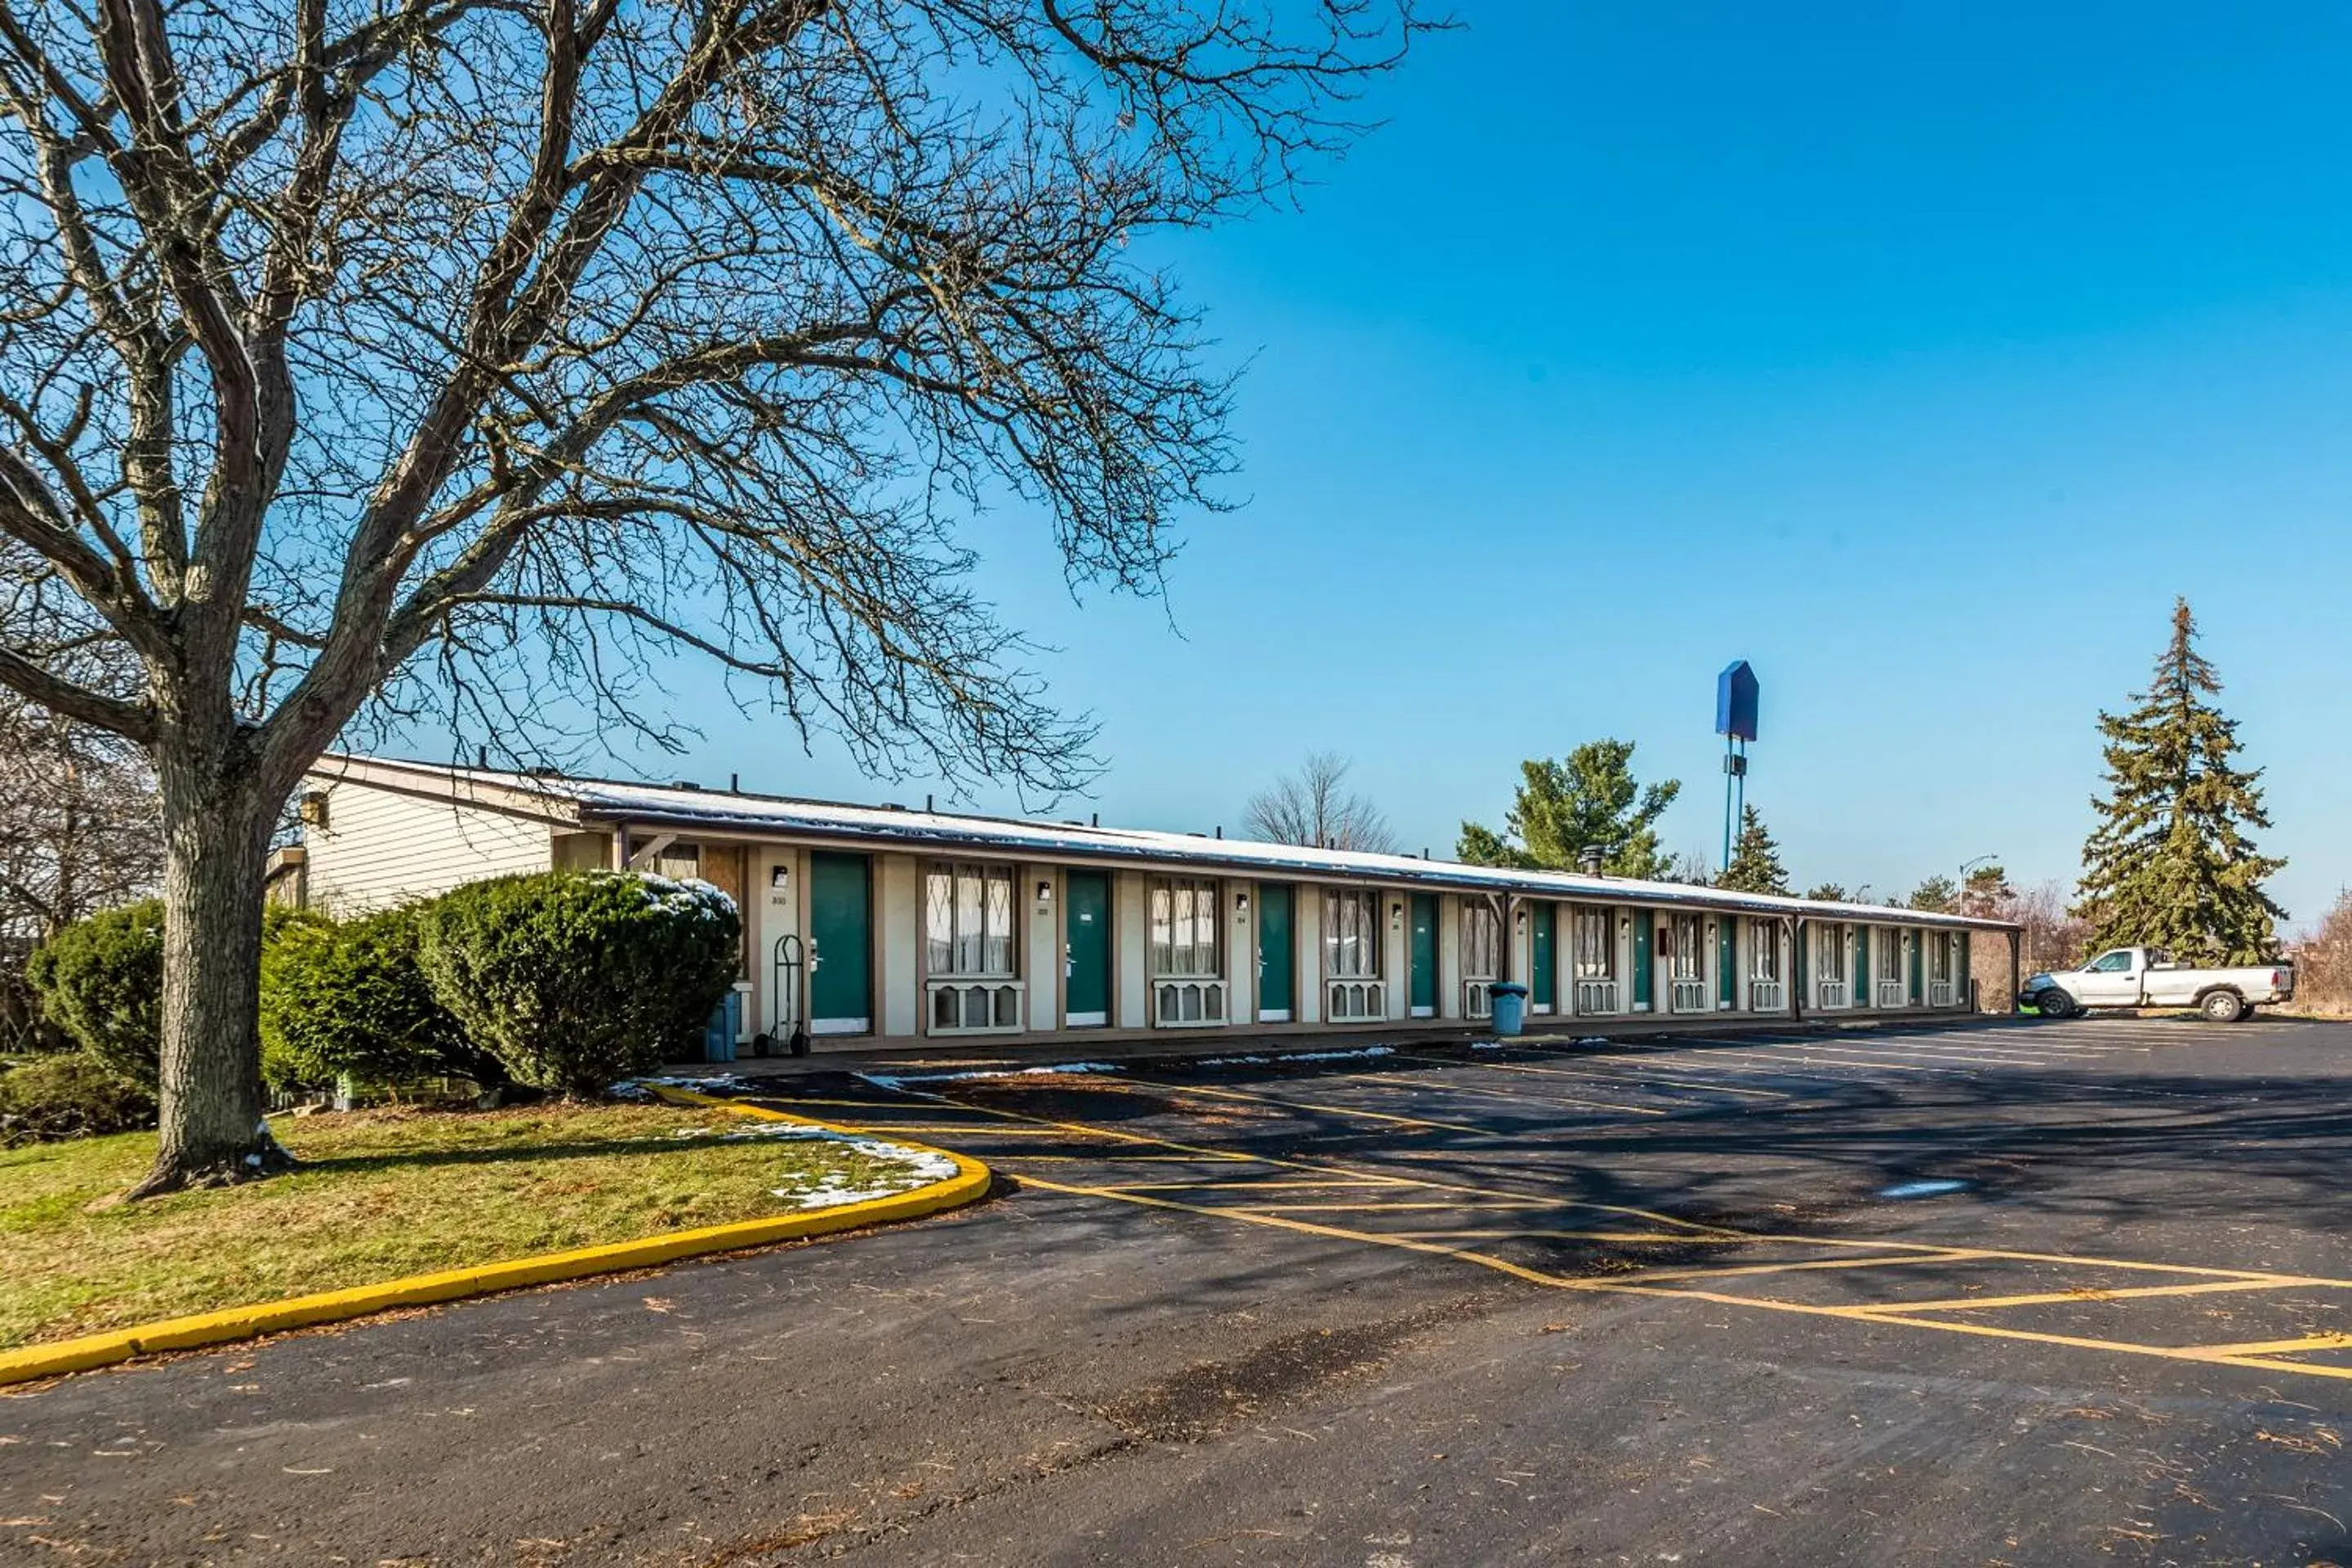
point(615, 800)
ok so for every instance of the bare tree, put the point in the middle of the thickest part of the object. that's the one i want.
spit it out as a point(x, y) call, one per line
point(79, 833)
point(2323, 960)
point(372, 359)
point(1314, 807)
point(2053, 937)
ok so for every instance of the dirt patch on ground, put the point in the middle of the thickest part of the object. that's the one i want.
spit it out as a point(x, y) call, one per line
point(1213, 1396)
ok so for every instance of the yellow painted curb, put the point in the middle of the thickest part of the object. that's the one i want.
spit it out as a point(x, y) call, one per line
point(970, 1183)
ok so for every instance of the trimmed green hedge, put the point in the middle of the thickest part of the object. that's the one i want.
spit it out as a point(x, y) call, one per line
point(70, 1094)
point(349, 998)
point(101, 981)
point(574, 979)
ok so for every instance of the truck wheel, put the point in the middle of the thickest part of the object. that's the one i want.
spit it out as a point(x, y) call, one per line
point(2055, 1003)
point(2222, 1007)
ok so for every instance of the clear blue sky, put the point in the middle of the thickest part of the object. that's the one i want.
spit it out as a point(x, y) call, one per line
point(1918, 354)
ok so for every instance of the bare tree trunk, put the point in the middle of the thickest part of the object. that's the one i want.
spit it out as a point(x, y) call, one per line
point(216, 828)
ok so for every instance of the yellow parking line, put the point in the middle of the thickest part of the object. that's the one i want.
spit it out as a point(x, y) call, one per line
point(1608, 1078)
point(1763, 1303)
point(1330, 1110)
point(1261, 1186)
point(1695, 1226)
point(2094, 1293)
point(1343, 1208)
point(1376, 1081)
point(1947, 1255)
point(2272, 1347)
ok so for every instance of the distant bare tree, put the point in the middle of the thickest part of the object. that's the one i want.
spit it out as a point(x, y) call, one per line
point(2054, 937)
point(1314, 807)
point(79, 831)
point(2323, 960)
point(488, 354)
point(1691, 866)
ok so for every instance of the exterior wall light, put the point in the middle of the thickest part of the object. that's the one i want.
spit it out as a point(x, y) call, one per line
point(780, 878)
point(1396, 915)
point(1241, 905)
point(1044, 895)
point(1520, 921)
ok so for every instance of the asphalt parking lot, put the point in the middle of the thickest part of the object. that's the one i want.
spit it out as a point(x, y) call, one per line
point(2004, 1292)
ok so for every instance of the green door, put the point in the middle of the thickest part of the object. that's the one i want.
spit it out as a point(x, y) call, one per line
point(1278, 953)
point(1424, 955)
point(841, 971)
point(1918, 967)
point(1727, 960)
point(1642, 980)
point(1862, 966)
point(1085, 974)
point(1543, 978)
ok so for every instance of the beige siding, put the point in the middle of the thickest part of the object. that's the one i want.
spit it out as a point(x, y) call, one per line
point(1040, 955)
point(899, 919)
point(376, 848)
point(1130, 929)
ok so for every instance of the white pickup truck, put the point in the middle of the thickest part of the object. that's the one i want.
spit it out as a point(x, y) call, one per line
point(2147, 977)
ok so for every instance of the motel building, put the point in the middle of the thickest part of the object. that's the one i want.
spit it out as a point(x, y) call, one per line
point(880, 926)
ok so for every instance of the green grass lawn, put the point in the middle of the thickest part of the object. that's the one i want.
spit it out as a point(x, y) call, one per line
point(382, 1193)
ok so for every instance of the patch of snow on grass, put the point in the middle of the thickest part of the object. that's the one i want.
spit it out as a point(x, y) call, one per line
point(643, 1088)
point(915, 1168)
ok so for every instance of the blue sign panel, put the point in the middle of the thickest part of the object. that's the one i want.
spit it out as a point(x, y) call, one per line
point(1735, 702)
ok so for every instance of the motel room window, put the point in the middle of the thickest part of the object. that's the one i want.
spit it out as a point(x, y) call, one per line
point(1889, 949)
point(1830, 950)
point(1184, 927)
point(1352, 934)
point(1482, 933)
point(1685, 941)
point(1596, 945)
point(968, 920)
point(1939, 957)
point(1763, 949)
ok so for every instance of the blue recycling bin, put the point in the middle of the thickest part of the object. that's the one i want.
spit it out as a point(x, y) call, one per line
point(726, 1024)
point(1510, 1007)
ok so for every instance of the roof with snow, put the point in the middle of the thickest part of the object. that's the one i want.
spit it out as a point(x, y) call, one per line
point(565, 801)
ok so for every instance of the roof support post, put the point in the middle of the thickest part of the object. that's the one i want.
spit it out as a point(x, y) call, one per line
point(643, 855)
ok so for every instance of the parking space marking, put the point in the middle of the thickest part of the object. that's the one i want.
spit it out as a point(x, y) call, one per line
point(1634, 1286)
point(1420, 1123)
point(2273, 1347)
point(2094, 1293)
point(1418, 1086)
point(1596, 1076)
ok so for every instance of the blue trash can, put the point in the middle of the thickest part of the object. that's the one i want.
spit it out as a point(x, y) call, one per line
point(1510, 1007)
point(726, 1023)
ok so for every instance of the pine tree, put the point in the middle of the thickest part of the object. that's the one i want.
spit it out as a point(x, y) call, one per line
point(1592, 799)
point(1937, 894)
point(1755, 859)
point(2170, 864)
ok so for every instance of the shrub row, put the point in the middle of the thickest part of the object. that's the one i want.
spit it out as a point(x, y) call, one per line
point(68, 1094)
point(560, 981)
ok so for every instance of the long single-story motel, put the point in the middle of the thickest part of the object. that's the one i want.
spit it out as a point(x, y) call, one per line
point(880, 926)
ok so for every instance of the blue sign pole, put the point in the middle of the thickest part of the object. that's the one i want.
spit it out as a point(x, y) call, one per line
point(1736, 699)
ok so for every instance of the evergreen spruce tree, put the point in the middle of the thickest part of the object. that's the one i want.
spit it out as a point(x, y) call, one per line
point(2170, 864)
point(1755, 859)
